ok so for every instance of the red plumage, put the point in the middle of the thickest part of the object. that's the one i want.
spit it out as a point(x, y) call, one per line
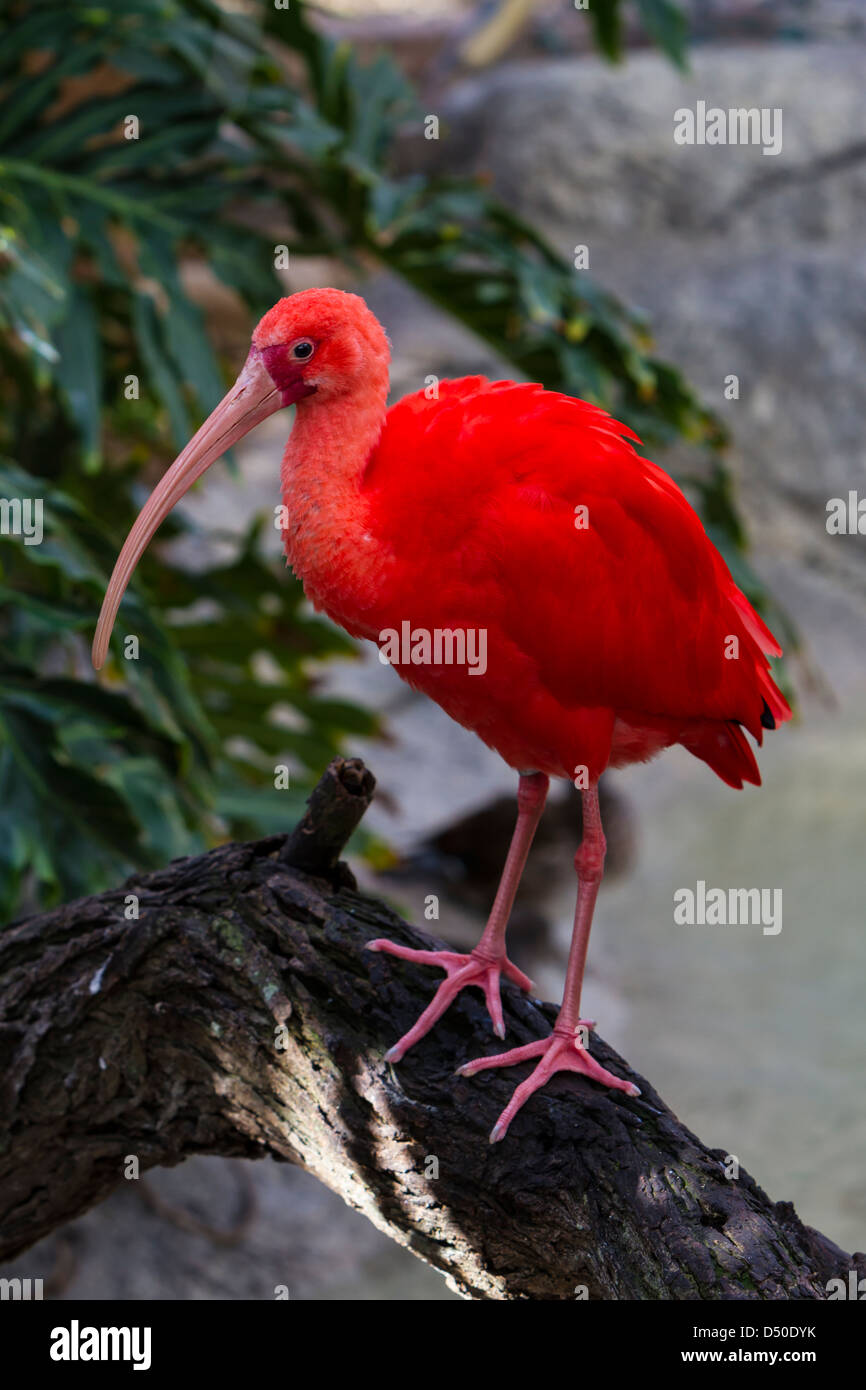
point(612, 626)
point(606, 642)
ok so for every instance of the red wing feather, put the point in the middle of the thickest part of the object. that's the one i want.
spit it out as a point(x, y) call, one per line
point(633, 610)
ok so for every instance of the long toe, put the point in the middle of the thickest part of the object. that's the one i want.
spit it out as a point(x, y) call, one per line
point(494, 1002)
point(441, 1001)
point(505, 1059)
point(445, 960)
point(586, 1065)
point(558, 1052)
point(462, 971)
point(542, 1074)
point(517, 977)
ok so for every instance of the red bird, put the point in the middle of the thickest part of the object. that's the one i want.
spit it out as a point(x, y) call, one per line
point(519, 562)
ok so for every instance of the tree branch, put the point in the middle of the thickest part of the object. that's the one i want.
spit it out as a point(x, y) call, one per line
point(239, 1014)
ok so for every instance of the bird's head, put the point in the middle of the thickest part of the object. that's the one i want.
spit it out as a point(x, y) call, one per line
point(322, 341)
point(312, 348)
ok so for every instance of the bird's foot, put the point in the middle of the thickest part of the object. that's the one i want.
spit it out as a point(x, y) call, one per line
point(564, 1050)
point(478, 969)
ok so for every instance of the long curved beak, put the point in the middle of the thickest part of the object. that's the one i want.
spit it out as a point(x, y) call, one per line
point(252, 399)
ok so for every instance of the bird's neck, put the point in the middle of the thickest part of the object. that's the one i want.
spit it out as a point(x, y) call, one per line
point(325, 535)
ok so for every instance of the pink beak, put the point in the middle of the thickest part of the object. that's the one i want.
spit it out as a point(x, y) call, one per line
point(252, 399)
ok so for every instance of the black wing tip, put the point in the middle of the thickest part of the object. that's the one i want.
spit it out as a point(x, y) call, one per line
point(768, 719)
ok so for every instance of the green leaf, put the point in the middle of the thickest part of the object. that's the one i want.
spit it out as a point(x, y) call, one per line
point(606, 19)
point(88, 798)
point(667, 24)
point(79, 370)
point(160, 370)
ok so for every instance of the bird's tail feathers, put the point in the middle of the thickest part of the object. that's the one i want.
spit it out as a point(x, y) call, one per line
point(776, 709)
point(724, 747)
point(773, 697)
point(755, 625)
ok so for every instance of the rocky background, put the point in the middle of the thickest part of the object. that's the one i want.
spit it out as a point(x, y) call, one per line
point(747, 265)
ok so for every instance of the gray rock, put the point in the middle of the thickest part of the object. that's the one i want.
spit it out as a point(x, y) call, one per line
point(587, 150)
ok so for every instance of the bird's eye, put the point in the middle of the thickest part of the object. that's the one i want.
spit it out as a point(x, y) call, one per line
point(303, 350)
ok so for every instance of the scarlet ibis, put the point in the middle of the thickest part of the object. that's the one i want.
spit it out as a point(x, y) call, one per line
point(520, 563)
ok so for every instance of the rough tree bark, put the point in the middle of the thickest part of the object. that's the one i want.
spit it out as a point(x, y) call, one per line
point(240, 1015)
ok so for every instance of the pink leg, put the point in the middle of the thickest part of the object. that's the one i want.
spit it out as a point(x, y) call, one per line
point(566, 1048)
point(484, 965)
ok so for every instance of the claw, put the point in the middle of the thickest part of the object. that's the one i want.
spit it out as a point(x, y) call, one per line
point(461, 971)
point(558, 1052)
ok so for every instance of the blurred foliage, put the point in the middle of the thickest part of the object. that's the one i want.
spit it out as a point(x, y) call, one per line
point(253, 131)
point(162, 758)
point(664, 21)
